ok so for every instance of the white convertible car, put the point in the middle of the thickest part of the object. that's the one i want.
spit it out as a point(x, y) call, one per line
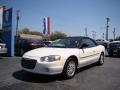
point(63, 56)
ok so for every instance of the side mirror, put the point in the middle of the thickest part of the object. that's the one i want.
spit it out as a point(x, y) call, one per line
point(84, 46)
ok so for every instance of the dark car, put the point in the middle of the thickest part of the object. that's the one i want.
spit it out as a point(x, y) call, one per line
point(105, 43)
point(47, 42)
point(24, 45)
point(114, 48)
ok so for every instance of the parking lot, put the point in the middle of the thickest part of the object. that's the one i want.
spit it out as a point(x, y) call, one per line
point(106, 77)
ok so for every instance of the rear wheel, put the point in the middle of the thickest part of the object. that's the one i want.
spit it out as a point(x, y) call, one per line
point(70, 68)
point(101, 59)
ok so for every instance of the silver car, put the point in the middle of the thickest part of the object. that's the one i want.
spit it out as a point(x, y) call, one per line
point(3, 49)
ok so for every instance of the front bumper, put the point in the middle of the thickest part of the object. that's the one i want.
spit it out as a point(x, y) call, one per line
point(48, 68)
point(3, 50)
point(114, 51)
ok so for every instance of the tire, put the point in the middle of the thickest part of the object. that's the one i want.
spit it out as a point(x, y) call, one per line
point(101, 59)
point(69, 68)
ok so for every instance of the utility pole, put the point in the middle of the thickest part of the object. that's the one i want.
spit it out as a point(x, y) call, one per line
point(17, 21)
point(114, 33)
point(86, 32)
point(17, 34)
point(107, 26)
point(103, 36)
point(94, 34)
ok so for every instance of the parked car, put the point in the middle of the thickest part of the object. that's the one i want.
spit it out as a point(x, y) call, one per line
point(3, 48)
point(103, 42)
point(114, 48)
point(63, 56)
point(24, 45)
point(47, 42)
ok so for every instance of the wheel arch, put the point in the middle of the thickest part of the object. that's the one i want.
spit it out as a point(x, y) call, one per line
point(75, 58)
point(103, 52)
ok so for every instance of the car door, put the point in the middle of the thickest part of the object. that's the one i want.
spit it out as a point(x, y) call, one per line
point(88, 52)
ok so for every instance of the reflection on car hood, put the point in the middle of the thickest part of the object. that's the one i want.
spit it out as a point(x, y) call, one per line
point(45, 51)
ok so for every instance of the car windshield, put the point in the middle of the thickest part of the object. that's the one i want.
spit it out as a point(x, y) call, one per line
point(99, 40)
point(65, 43)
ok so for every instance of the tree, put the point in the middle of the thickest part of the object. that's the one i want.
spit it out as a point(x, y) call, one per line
point(57, 35)
point(36, 33)
point(52, 36)
point(25, 31)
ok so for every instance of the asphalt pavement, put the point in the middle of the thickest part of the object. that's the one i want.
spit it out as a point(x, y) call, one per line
point(92, 77)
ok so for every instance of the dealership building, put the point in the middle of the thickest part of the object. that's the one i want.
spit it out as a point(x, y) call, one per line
point(7, 28)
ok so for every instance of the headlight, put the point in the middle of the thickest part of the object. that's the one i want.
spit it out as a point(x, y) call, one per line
point(50, 58)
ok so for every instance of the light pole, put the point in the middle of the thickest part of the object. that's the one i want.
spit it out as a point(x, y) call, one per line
point(94, 34)
point(103, 36)
point(17, 21)
point(107, 26)
point(114, 33)
point(86, 34)
point(17, 35)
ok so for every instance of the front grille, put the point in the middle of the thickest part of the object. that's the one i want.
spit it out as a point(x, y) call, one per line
point(28, 63)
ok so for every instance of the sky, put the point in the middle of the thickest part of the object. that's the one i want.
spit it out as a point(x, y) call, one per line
point(68, 16)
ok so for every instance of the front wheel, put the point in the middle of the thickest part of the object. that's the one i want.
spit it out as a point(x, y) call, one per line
point(101, 59)
point(70, 68)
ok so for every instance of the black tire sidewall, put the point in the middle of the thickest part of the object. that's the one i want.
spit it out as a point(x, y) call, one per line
point(65, 74)
point(101, 57)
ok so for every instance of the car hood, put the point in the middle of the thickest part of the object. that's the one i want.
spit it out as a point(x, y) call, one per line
point(46, 51)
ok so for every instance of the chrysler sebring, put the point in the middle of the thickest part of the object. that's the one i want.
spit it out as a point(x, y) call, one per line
point(63, 56)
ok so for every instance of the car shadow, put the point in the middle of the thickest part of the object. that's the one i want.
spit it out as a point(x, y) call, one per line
point(86, 67)
point(2, 57)
point(114, 56)
point(34, 78)
point(38, 78)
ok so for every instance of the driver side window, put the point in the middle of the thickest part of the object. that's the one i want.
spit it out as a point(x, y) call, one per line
point(87, 43)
